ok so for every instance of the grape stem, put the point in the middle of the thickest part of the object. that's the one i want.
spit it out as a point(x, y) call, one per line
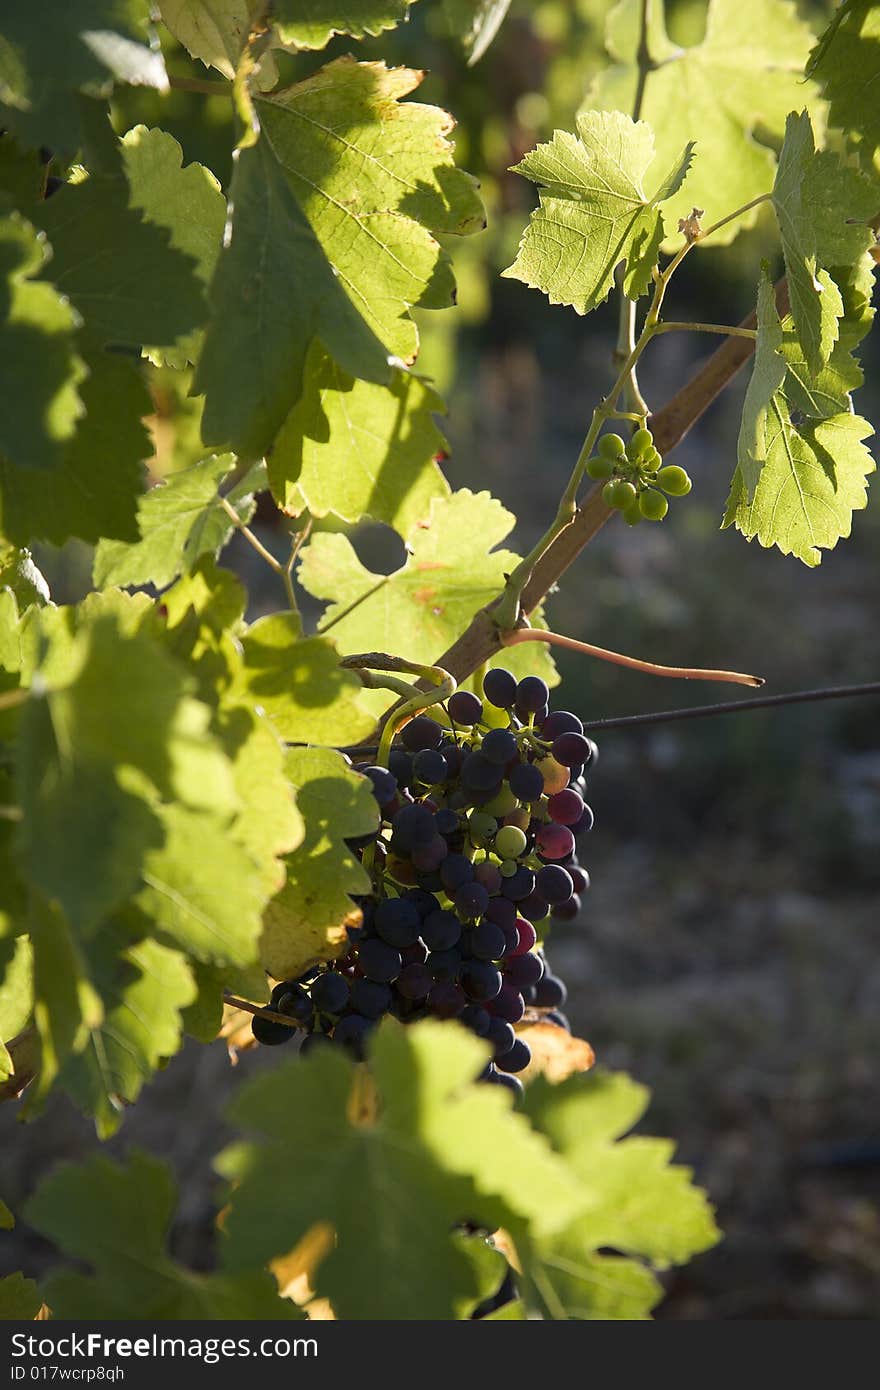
point(725, 329)
point(283, 571)
point(442, 682)
point(651, 668)
point(235, 1003)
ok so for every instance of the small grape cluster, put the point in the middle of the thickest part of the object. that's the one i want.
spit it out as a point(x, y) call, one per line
point(476, 845)
point(634, 479)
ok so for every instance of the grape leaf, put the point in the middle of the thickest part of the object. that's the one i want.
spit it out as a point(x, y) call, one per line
point(16, 993)
point(7, 1220)
point(84, 44)
point(420, 609)
point(846, 63)
point(66, 1006)
point(268, 823)
point(745, 75)
point(40, 370)
point(94, 490)
point(306, 921)
point(796, 485)
point(376, 1176)
point(475, 23)
point(186, 201)
point(20, 1299)
point(116, 1218)
point(299, 683)
point(313, 23)
point(180, 519)
point(95, 752)
point(215, 31)
point(143, 988)
point(21, 577)
point(642, 1206)
point(121, 271)
point(356, 449)
point(593, 211)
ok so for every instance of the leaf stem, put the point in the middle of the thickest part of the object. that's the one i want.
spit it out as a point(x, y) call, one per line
point(725, 329)
point(651, 668)
point(283, 571)
point(732, 216)
point(204, 85)
point(626, 320)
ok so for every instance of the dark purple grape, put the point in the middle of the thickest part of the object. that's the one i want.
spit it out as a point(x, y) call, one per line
point(269, 1033)
point(351, 1033)
point(414, 982)
point(560, 721)
point(488, 874)
point(501, 1035)
point(416, 954)
point(444, 965)
point(523, 970)
point(502, 911)
point(499, 687)
point(532, 694)
point(429, 766)
point(566, 807)
point(424, 903)
point(411, 826)
point(471, 900)
point(534, 907)
point(446, 1000)
point(477, 1019)
point(383, 782)
point(330, 993)
point(480, 980)
point(593, 757)
point(554, 841)
point(511, 939)
point(427, 858)
point(526, 782)
point(487, 941)
point(397, 922)
point(370, 999)
point(550, 993)
point(478, 773)
point(430, 882)
point(465, 708)
point(510, 1083)
point(455, 870)
point(441, 930)
point(508, 1004)
point(313, 1042)
point(568, 911)
point(554, 883)
point(421, 732)
point(559, 1018)
point(527, 937)
point(292, 1001)
point(379, 961)
point(586, 822)
point(400, 764)
point(518, 887)
point(499, 746)
point(579, 877)
point(570, 749)
point(453, 755)
point(446, 822)
point(517, 1059)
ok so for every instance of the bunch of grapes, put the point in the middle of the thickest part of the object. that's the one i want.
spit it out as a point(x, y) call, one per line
point(634, 479)
point(476, 848)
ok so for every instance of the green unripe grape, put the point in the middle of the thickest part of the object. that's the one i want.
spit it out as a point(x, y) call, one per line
point(502, 804)
point(621, 493)
point(674, 480)
point(632, 514)
point(600, 468)
point(510, 842)
point(642, 441)
point(507, 868)
point(611, 446)
point(653, 504)
point(653, 458)
point(481, 827)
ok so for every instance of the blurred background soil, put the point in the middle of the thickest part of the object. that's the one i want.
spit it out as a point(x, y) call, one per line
point(727, 954)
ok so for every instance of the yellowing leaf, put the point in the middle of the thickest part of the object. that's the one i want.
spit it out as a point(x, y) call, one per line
point(556, 1054)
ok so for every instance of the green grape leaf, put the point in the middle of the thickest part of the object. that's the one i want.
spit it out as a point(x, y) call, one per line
point(187, 201)
point(40, 371)
point(828, 392)
point(94, 490)
point(768, 374)
point(373, 1173)
point(268, 823)
point(16, 994)
point(116, 1219)
point(812, 480)
point(744, 77)
point(306, 921)
point(20, 1299)
point(313, 23)
point(180, 519)
point(85, 45)
point(420, 609)
point(122, 273)
point(204, 612)
point(846, 64)
point(66, 1006)
point(96, 751)
point(215, 31)
point(641, 1205)
point(299, 683)
point(356, 449)
point(143, 987)
point(475, 24)
point(21, 577)
point(593, 211)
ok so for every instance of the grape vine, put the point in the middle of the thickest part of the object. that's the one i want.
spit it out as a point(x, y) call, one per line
point(227, 232)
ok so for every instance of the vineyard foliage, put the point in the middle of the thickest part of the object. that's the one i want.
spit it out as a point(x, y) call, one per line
point(178, 819)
